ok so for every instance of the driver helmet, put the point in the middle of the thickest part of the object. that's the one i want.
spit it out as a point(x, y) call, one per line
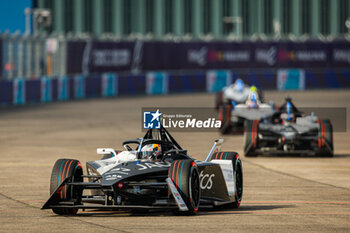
point(239, 85)
point(253, 98)
point(253, 89)
point(288, 116)
point(151, 151)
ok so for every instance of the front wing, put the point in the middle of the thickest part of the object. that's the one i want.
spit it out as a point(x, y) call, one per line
point(214, 192)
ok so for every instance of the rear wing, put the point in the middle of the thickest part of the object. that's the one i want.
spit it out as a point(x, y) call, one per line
point(216, 148)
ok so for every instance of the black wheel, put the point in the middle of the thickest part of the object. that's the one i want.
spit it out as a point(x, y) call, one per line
point(66, 168)
point(237, 167)
point(261, 96)
point(225, 118)
point(325, 138)
point(218, 99)
point(251, 130)
point(185, 175)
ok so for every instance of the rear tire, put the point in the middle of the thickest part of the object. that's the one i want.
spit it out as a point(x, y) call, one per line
point(66, 168)
point(251, 131)
point(325, 139)
point(237, 167)
point(185, 175)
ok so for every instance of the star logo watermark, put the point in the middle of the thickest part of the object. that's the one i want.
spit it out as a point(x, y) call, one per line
point(151, 120)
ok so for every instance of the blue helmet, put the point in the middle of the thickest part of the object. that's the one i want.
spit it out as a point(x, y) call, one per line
point(239, 84)
point(289, 110)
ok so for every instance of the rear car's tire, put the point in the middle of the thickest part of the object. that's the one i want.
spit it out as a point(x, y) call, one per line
point(71, 169)
point(237, 167)
point(185, 175)
point(251, 131)
point(325, 139)
point(261, 96)
point(225, 118)
point(219, 99)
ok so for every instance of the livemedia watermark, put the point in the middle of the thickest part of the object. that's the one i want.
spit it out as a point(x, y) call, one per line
point(181, 119)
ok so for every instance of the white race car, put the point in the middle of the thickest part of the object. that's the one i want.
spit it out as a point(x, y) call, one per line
point(234, 115)
point(236, 93)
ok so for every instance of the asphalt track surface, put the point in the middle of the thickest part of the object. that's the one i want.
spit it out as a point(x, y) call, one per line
point(281, 194)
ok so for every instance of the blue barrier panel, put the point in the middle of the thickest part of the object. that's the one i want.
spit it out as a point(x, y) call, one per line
point(54, 88)
point(109, 84)
point(1, 54)
point(344, 78)
point(79, 86)
point(331, 79)
point(235, 76)
point(6, 92)
point(187, 83)
point(71, 85)
point(62, 88)
point(291, 79)
point(218, 79)
point(33, 90)
point(265, 79)
point(131, 84)
point(46, 89)
point(327, 79)
point(253, 78)
point(19, 91)
point(311, 81)
point(157, 83)
point(93, 86)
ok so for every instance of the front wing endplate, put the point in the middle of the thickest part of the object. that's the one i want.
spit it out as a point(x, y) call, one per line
point(179, 201)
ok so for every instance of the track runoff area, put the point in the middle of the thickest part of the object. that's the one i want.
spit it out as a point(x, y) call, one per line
point(281, 194)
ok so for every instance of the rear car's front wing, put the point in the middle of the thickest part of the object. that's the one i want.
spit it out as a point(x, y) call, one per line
point(301, 140)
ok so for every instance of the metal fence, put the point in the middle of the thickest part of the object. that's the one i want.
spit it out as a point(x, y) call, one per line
point(30, 57)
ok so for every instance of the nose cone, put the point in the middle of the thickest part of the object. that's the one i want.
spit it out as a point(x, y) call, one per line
point(289, 135)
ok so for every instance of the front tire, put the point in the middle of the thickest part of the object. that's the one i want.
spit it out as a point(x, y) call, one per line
point(71, 169)
point(185, 175)
point(237, 167)
point(251, 131)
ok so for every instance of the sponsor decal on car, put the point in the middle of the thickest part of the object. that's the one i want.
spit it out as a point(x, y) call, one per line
point(113, 177)
point(144, 166)
point(206, 180)
point(178, 199)
point(121, 170)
